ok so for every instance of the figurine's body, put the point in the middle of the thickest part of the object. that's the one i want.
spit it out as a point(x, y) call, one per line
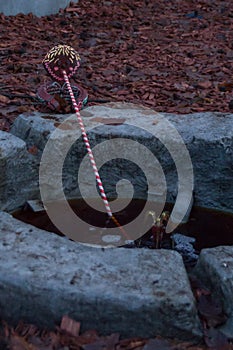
point(57, 97)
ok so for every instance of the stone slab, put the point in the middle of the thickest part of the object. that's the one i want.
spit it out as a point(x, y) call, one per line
point(208, 137)
point(37, 7)
point(136, 292)
point(215, 269)
point(18, 172)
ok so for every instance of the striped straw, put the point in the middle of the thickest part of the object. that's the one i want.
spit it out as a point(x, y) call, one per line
point(89, 151)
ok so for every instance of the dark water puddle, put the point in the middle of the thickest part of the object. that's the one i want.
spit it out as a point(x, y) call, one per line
point(209, 227)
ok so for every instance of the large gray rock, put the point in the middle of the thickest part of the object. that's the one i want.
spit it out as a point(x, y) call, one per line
point(36, 128)
point(215, 269)
point(136, 292)
point(18, 172)
point(37, 7)
point(208, 137)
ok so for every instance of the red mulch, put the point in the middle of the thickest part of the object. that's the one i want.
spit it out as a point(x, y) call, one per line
point(68, 337)
point(172, 56)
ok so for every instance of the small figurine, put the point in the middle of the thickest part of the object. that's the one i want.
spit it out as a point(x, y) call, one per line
point(56, 95)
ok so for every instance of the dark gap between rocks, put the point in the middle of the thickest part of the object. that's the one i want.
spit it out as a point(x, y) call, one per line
point(207, 227)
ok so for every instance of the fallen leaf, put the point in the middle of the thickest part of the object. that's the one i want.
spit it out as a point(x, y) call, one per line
point(19, 343)
point(4, 99)
point(109, 121)
point(88, 337)
point(33, 150)
point(71, 9)
point(70, 326)
point(206, 84)
point(22, 109)
point(134, 344)
point(151, 96)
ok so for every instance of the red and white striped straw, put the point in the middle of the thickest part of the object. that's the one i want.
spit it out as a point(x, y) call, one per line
point(89, 151)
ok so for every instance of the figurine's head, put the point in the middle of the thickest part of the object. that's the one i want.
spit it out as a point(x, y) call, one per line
point(60, 58)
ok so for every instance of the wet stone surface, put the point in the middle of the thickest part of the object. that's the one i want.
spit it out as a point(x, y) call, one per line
point(136, 292)
point(18, 172)
point(208, 137)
